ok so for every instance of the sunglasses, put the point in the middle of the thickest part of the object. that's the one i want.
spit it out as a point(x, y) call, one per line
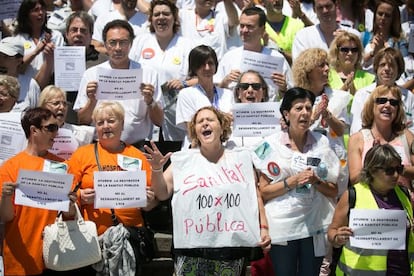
point(347, 50)
point(51, 127)
point(391, 170)
point(383, 100)
point(245, 86)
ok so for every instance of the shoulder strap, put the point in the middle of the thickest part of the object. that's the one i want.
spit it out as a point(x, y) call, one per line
point(113, 216)
point(351, 198)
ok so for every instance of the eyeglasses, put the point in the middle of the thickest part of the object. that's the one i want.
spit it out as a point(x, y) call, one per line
point(383, 100)
point(123, 43)
point(51, 127)
point(164, 13)
point(245, 85)
point(391, 170)
point(57, 103)
point(347, 50)
point(75, 30)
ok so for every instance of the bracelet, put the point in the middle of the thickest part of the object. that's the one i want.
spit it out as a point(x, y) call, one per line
point(156, 170)
point(262, 226)
point(184, 83)
point(286, 186)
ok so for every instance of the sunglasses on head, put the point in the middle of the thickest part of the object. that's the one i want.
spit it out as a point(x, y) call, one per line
point(347, 50)
point(244, 85)
point(391, 170)
point(383, 100)
point(51, 127)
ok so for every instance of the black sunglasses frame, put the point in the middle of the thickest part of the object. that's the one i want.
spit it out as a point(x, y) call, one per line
point(245, 85)
point(383, 100)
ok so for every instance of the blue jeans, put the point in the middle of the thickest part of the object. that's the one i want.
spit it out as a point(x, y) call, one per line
point(297, 258)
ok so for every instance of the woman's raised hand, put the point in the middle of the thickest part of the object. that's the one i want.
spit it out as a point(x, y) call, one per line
point(155, 157)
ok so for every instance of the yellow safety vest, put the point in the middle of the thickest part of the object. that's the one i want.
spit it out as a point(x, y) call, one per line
point(368, 262)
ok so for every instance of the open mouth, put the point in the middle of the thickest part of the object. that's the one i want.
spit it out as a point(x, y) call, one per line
point(206, 132)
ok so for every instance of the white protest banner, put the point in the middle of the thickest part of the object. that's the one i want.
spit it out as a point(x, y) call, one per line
point(70, 64)
point(9, 8)
point(12, 138)
point(214, 204)
point(266, 65)
point(378, 229)
point(256, 119)
point(44, 190)
point(64, 143)
point(118, 84)
point(120, 189)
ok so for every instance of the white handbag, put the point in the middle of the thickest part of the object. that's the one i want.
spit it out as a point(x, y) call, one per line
point(70, 244)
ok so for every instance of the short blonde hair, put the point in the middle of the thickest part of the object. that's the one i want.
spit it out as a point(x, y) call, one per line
point(116, 108)
point(48, 92)
point(398, 124)
point(307, 61)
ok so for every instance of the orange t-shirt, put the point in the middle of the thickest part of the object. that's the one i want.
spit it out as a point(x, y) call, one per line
point(23, 235)
point(83, 164)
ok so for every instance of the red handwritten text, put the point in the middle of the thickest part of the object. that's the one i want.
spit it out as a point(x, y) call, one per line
point(215, 224)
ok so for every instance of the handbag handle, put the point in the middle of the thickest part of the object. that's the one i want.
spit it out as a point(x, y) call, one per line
point(113, 216)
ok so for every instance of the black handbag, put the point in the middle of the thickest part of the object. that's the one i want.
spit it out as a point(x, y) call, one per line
point(140, 238)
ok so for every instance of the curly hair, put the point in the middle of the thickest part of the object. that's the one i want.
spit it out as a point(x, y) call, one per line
point(342, 38)
point(223, 118)
point(11, 84)
point(398, 125)
point(174, 11)
point(307, 61)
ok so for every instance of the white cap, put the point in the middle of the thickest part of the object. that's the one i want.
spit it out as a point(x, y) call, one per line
point(11, 46)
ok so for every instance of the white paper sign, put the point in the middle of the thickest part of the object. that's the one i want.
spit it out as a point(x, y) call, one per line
point(378, 229)
point(64, 144)
point(12, 138)
point(256, 119)
point(120, 189)
point(214, 205)
point(118, 84)
point(9, 8)
point(266, 65)
point(44, 190)
point(70, 64)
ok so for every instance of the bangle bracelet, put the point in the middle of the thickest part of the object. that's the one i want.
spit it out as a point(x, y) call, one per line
point(286, 186)
point(262, 226)
point(156, 170)
point(184, 83)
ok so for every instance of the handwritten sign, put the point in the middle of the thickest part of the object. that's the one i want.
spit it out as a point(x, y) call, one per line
point(378, 229)
point(256, 119)
point(214, 205)
point(70, 64)
point(266, 65)
point(118, 84)
point(120, 189)
point(12, 138)
point(44, 190)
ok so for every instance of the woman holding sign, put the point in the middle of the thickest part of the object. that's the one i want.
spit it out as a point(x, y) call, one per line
point(218, 213)
point(298, 182)
point(22, 247)
point(377, 189)
point(112, 154)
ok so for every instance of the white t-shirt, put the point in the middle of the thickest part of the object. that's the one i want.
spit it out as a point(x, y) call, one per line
point(171, 63)
point(312, 37)
point(139, 23)
point(232, 61)
point(212, 30)
point(137, 124)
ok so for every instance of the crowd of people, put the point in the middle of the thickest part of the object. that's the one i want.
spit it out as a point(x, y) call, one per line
point(160, 90)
